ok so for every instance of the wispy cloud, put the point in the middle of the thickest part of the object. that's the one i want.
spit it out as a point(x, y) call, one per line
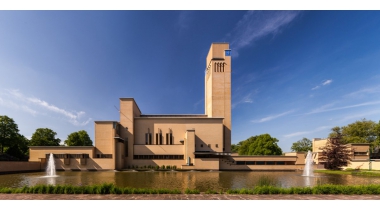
point(325, 82)
point(13, 105)
point(184, 19)
point(300, 133)
point(363, 91)
point(196, 104)
point(256, 24)
point(248, 98)
point(326, 109)
point(73, 117)
point(272, 117)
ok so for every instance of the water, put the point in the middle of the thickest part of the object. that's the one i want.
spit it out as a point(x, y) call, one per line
point(50, 169)
point(201, 180)
point(308, 170)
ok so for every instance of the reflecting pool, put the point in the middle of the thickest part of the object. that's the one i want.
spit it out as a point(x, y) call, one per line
point(201, 180)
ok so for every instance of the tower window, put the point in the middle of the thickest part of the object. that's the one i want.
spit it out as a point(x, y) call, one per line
point(148, 138)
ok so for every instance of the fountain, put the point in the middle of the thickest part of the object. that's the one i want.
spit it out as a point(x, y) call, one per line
point(308, 170)
point(50, 169)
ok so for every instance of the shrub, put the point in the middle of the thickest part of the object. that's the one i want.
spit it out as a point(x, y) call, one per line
point(174, 167)
point(157, 167)
point(163, 167)
point(168, 167)
point(189, 191)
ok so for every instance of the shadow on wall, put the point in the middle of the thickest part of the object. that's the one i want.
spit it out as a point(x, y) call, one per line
point(74, 164)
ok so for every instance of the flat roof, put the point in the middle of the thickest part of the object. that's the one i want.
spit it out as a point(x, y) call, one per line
point(174, 115)
point(61, 147)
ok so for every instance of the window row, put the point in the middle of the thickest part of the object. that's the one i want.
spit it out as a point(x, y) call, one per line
point(260, 163)
point(209, 145)
point(219, 66)
point(103, 155)
point(66, 156)
point(158, 157)
point(159, 139)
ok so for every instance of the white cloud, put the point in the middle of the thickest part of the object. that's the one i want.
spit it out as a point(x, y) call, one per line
point(326, 82)
point(256, 24)
point(300, 133)
point(323, 108)
point(316, 87)
point(363, 91)
point(246, 99)
point(10, 104)
point(73, 117)
point(272, 117)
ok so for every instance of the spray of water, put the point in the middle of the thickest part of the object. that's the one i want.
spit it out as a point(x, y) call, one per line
point(50, 169)
point(308, 170)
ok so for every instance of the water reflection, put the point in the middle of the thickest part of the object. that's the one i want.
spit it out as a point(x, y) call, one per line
point(215, 180)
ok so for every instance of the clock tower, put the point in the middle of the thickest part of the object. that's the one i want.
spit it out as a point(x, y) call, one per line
point(218, 88)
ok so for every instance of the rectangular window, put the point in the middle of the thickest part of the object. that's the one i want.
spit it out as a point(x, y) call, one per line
point(240, 162)
point(250, 162)
point(201, 145)
point(159, 138)
point(216, 145)
point(209, 145)
point(167, 138)
point(260, 163)
point(126, 148)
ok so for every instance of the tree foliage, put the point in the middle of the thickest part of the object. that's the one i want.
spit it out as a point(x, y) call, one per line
point(263, 144)
point(20, 150)
point(44, 137)
point(364, 131)
point(80, 138)
point(335, 154)
point(302, 145)
point(8, 132)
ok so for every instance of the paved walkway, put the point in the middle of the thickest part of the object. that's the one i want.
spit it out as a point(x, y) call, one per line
point(183, 197)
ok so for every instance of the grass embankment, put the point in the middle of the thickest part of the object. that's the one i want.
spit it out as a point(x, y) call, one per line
point(350, 172)
point(112, 189)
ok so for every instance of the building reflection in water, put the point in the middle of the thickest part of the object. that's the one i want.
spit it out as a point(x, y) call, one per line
point(201, 180)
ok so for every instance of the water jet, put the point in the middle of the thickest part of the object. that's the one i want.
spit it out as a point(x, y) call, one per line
point(308, 170)
point(50, 168)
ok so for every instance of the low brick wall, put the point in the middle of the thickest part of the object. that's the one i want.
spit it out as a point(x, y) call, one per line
point(8, 167)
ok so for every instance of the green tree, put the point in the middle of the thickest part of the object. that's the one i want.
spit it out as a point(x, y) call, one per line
point(20, 150)
point(8, 132)
point(335, 154)
point(263, 144)
point(302, 145)
point(44, 137)
point(364, 131)
point(234, 148)
point(79, 138)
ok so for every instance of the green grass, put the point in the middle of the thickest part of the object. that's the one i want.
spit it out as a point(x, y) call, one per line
point(350, 172)
point(91, 189)
point(257, 190)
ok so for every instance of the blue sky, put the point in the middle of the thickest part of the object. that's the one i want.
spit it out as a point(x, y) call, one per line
point(295, 73)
